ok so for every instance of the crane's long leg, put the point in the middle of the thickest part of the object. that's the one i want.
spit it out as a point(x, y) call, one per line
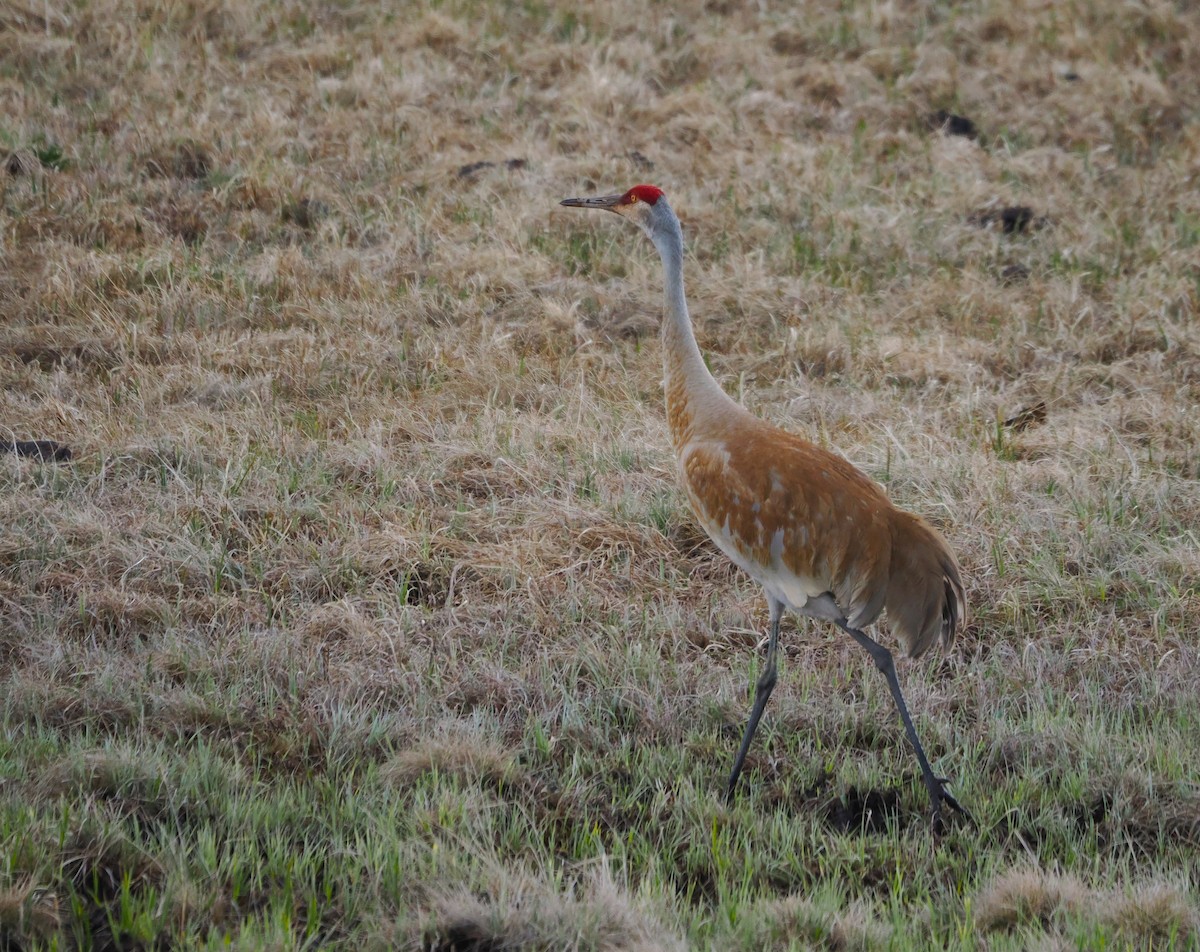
point(762, 692)
point(883, 661)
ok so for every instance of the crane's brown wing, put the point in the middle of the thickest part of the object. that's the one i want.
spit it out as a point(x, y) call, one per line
point(798, 518)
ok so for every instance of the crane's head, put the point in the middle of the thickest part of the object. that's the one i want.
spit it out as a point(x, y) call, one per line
point(644, 205)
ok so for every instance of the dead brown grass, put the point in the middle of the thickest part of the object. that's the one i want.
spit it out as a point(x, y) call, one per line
point(796, 921)
point(1146, 916)
point(461, 756)
point(595, 913)
point(370, 473)
point(29, 910)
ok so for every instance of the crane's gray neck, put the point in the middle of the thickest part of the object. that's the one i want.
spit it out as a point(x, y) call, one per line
point(678, 336)
point(687, 381)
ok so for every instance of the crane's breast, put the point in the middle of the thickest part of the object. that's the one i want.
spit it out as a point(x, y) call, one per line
point(747, 525)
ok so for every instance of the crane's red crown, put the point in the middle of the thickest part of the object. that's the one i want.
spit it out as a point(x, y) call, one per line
point(642, 193)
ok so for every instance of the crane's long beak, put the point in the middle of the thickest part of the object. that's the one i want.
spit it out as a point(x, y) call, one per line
point(608, 202)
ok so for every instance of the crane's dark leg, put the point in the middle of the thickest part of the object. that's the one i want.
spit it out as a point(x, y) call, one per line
point(883, 661)
point(762, 692)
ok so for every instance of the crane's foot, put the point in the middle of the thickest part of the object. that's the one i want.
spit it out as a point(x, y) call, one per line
point(944, 796)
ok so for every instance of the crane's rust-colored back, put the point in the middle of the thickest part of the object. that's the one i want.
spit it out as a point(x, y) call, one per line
point(804, 522)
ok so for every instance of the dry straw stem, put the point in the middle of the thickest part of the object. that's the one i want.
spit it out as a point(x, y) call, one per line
point(369, 541)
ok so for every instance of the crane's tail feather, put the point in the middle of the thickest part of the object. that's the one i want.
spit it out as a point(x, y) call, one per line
point(925, 599)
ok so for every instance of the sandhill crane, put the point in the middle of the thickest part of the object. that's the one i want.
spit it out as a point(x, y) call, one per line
point(817, 534)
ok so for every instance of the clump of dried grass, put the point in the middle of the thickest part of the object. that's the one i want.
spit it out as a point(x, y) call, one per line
point(106, 773)
point(798, 921)
point(1144, 915)
point(521, 911)
point(1030, 896)
point(1155, 912)
point(457, 755)
point(28, 914)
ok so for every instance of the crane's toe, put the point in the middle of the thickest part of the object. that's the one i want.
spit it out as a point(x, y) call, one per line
point(944, 796)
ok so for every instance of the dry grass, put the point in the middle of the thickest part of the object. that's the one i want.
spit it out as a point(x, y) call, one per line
point(593, 913)
point(365, 609)
point(1153, 915)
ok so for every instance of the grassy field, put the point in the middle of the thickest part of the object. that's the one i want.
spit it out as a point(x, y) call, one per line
point(367, 613)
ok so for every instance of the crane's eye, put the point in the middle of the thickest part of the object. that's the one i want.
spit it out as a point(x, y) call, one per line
point(633, 199)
